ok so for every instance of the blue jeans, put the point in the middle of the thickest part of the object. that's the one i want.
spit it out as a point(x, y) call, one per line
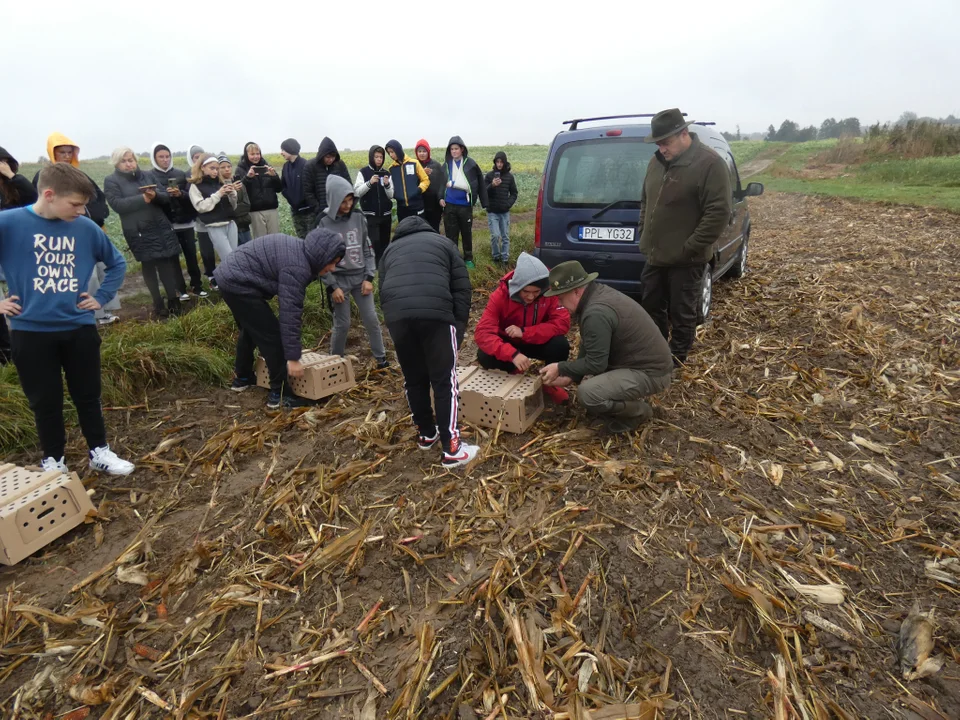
point(244, 236)
point(499, 235)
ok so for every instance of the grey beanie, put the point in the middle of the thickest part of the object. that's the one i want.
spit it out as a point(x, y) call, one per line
point(291, 146)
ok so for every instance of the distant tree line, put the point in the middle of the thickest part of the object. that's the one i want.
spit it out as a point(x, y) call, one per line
point(831, 128)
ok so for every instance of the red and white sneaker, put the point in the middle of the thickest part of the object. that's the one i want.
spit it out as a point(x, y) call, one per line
point(427, 443)
point(460, 454)
point(556, 394)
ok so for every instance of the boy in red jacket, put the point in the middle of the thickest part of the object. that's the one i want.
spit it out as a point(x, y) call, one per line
point(519, 323)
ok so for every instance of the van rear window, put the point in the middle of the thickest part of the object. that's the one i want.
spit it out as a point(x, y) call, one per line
point(594, 173)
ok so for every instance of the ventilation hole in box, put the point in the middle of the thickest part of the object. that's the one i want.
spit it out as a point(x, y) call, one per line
point(64, 502)
point(39, 528)
point(32, 510)
point(63, 515)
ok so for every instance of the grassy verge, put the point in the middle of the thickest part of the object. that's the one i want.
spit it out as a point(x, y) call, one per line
point(848, 168)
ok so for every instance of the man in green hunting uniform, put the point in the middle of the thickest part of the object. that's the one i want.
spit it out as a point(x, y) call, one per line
point(623, 356)
point(685, 205)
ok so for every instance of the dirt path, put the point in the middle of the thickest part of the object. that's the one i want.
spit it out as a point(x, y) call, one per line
point(810, 442)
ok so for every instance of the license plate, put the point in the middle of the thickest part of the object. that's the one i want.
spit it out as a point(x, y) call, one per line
point(603, 234)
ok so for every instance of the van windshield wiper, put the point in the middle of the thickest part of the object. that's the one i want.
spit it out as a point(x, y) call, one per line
point(612, 205)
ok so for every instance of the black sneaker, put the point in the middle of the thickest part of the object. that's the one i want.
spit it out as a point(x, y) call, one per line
point(295, 401)
point(241, 384)
point(427, 443)
point(213, 285)
point(287, 401)
point(383, 364)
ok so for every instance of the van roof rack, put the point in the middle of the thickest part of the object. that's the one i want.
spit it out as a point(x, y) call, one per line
point(573, 123)
point(703, 122)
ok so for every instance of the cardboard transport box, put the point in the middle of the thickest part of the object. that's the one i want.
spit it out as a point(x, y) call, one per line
point(36, 508)
point(323, 375)
point(489, 397)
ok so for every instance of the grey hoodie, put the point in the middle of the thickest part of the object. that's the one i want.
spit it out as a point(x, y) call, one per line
point(352, 228)
point(529, 271)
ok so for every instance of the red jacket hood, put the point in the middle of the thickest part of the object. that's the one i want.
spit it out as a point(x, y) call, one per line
point(423, 143)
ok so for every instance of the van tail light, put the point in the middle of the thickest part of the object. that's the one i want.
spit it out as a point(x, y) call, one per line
point(538, 222)
point(614, 133)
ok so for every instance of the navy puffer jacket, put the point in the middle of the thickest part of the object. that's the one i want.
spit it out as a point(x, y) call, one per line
point(280, 266)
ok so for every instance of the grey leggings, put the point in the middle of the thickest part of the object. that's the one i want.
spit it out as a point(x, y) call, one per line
point(223, 238)
point(351, 285)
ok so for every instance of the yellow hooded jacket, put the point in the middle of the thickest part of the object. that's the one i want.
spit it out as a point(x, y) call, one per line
point(59, 140)
point(97, 209)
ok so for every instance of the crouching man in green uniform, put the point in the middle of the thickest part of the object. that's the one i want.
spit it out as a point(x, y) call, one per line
point(623, 355)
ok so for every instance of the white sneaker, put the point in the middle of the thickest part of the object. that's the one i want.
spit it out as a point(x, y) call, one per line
point(108, 320)
point(105, 459)
point(463, 454)
point(202, 294)
point(51, 463)
point(184, 297)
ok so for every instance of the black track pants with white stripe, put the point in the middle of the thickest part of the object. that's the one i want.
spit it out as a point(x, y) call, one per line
point(427, 354)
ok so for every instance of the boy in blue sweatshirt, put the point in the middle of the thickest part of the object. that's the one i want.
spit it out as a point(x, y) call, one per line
point(49, 252)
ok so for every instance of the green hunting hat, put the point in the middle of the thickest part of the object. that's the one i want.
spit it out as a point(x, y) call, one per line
point(666, 123)
point(568, 276)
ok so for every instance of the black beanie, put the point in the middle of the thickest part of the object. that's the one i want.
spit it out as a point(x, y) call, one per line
point(291, 146)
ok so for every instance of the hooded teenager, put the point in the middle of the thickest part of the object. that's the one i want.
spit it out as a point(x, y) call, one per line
point(464, 187)
point(432, 212)
point(520, 324)
point(315, 174)
point(207, 253)
point(60, 148)
point(409, 180)
point(262, 184)
point(291, 177)
point(375, 192)
point(353, 275)
point(425, 294)
point(280, 266)
point(172, 182)
point(146, 228)
point(501, 195)
point(15, 190)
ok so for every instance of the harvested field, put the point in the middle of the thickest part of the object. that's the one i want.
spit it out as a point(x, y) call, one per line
point(751, 553)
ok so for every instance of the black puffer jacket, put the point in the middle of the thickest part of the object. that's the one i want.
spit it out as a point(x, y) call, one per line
point(280, 266)
point(316, 173)
point(179, 210)
point(422, 277)
point(17, 191)
point(261, 188)
point(500, 198)
point(146, 227)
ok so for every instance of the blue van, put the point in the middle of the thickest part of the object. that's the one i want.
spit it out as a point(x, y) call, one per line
point(588, 208)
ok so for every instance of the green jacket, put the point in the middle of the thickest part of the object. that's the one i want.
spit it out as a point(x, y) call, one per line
point(616, 333)
point(685, 206)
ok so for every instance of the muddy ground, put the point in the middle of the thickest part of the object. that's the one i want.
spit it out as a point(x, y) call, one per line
point(317, 565)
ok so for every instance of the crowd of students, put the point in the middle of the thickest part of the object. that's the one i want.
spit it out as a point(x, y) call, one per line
point(52, 242)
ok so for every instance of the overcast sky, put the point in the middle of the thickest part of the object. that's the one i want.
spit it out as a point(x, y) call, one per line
point(218, 74)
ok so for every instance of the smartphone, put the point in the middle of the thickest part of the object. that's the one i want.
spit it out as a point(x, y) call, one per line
point(497, 175)
point(144, 188)
point(260, 169)
point(172, 183)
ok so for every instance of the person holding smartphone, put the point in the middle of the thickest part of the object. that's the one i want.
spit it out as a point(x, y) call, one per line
point(501, 195)
point(375, 193)
point(133, 195)
point(215, 203)
point(241, 214)
point(172, 182)
point(432, 212)
point(262, 184)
